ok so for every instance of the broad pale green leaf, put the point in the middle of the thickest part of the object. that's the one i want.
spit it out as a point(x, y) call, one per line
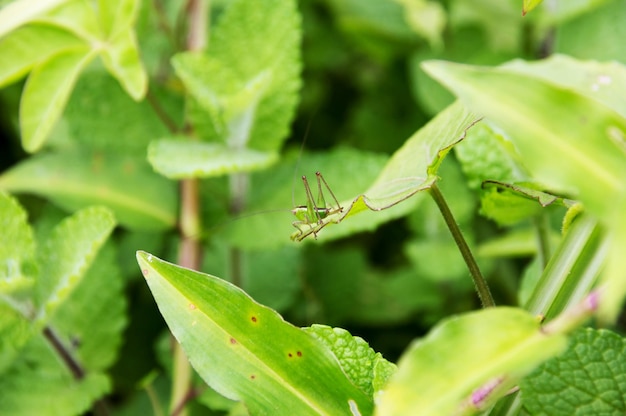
point(356, 357)
point(66, 255)
point(411, 169)
point(46, 92)
point(75, 179)
point(588, 379)
point(593, 79)
point(467, 362)
point(254, 355)
point(544, 119)
point(29, 45)
point(178, 159)
point(19, 12)
point(17, 247)
point(121, 58)
point(38, 382)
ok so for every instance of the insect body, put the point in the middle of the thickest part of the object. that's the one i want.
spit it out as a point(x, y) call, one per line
point(310, 216)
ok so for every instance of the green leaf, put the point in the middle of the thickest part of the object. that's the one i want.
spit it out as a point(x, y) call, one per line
point(122, 60)
point(255, 356)
point(46, 92)
point(76, 178)
point(355, 356)
point(117, 16)
point(31, 44)
point(80, 319)
point(543, 120)
point(508, 204)
point(17, 247)
point(249, 79)
point(588, 379)
point(178, 159)
point(593, 79)
point(467, 362)
point(411, 169)
point(15, 331)
point(529, 5)
point(20, 12)
point(66, 255)
point(485, 155)
point(100, 115)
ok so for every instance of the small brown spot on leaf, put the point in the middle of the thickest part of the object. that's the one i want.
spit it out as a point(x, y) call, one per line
point(233, 341)
point(290, 355)
point(192, 306)
point(299, 353)
point(253, 319)
point(252, 377)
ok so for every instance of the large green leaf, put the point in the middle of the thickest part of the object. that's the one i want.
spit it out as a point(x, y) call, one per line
point(31, 44)
point(411, 169)
point(570, 141)
point(74, 179)
point(243, 91)
point(467, 362)
point(246, 351)
point(178, 159)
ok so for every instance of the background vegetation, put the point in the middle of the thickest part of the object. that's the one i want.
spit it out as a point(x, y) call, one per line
point(96, 99)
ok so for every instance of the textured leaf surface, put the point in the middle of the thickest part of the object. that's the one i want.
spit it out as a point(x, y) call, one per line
point(411, 169)
point(74, 179)
point(247, 83)
point(67, 253)
point(467, 362)
point(17, 247)
point(253, 355)
point(179, 159)
point(588, 379)
point(357, 359)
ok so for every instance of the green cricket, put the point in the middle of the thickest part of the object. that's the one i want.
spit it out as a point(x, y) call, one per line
point(310, 216)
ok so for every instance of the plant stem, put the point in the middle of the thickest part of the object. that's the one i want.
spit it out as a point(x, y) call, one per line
point(479, 281)
point(190, 253)
point(100, 407)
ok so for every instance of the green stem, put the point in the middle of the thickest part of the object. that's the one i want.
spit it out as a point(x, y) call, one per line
point(479, 281)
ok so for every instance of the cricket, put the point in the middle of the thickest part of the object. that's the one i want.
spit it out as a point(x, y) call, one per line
point(310, 216)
